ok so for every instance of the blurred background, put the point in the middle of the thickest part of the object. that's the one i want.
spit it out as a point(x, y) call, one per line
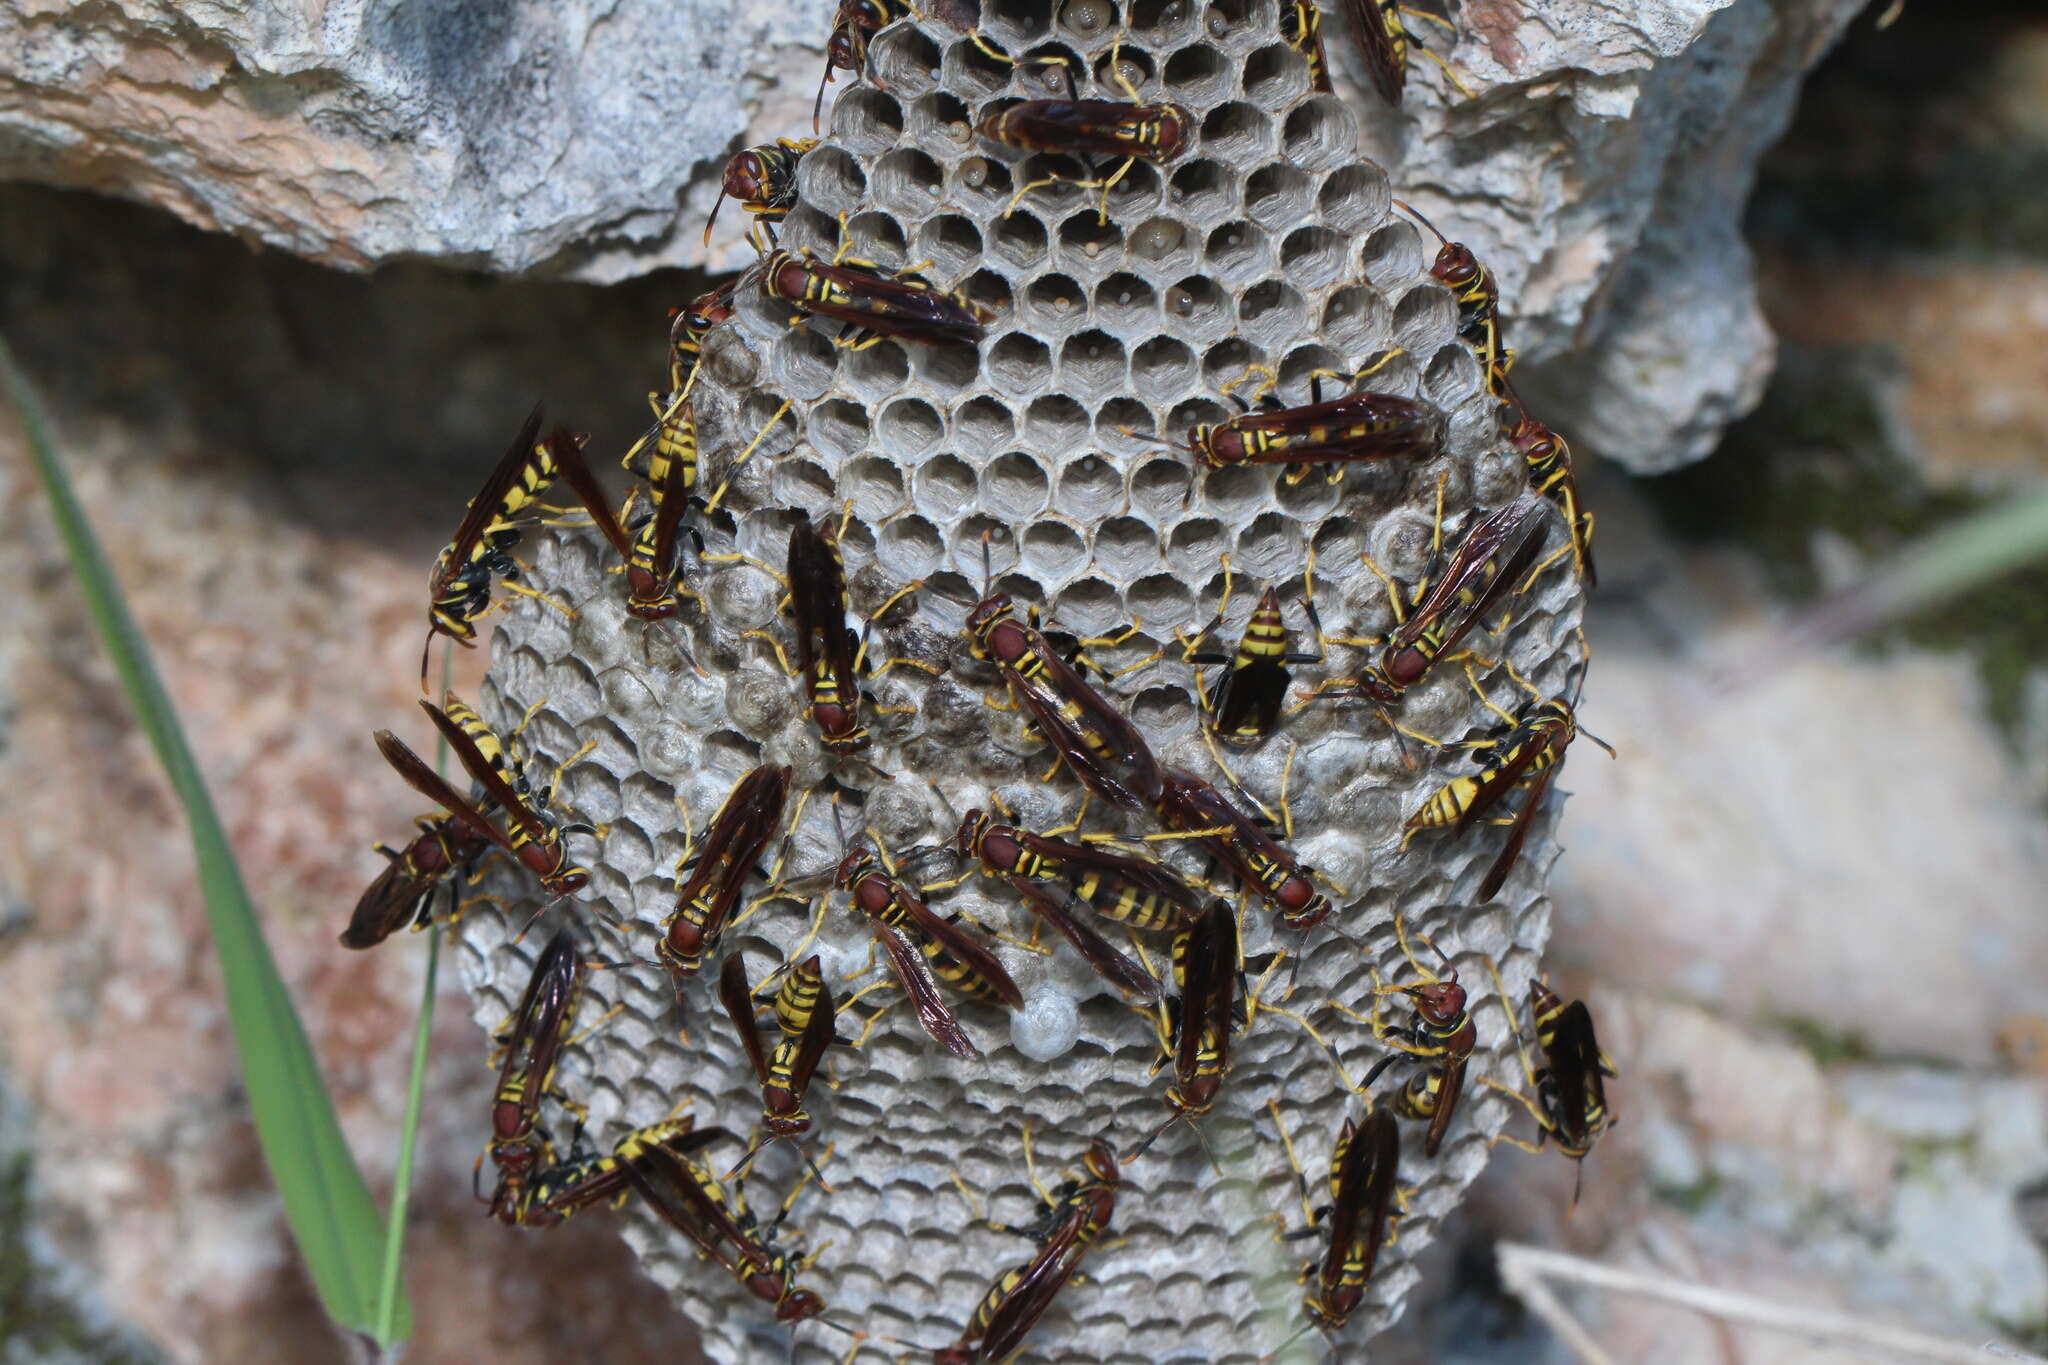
point(1807, 904)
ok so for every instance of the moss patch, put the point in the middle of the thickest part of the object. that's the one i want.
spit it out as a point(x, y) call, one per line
point(39, 1318)
point(1820, 455)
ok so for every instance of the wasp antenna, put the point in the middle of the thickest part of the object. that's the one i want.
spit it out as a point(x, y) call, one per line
point(1410, 210)
point(720, 201)
point(1150, 1138)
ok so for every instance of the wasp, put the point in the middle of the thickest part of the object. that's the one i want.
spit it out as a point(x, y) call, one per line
point(540, 1029)
point(1301, 28)
point(559, 1191)
point(686, 345)
point(1385, 38)
point(871, 300)
point(1363, 1195)
point(898, 916)
point(738, 835)
point(1360, 426)
point(650, 551)
point(1100, 745)
point(1217, 824)
point(831, 657)
point(459, 589)
point(403, 892)
point(804, 1013)
point(1128, 128)
point(1440, 1041)
point(691, 1200)
point(1490, 562)
point(1550, 473)
point(1135, 891)
point(1527, 756)
point(1150, 132)
point(531, 835)
point(1478, 296)
point(1206, 961)
point(763, 181)
point(846, 47)
point(1570, 1088)
point(1074, 1221)
point(1125, 888)
point(1245, 707)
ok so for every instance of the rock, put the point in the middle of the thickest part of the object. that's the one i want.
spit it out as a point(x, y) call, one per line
point(1599, 169)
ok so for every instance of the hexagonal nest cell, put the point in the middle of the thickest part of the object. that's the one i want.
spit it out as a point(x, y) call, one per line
point(1037, 461)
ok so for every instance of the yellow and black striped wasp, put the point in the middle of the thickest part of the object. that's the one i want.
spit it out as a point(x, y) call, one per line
point(1385, 38)
point(1363, 1196)
point(1206, 962)
point(459, 588)
point(1140, 892)
point(912, 936)
point(805, 1015)
point(1074, 1220)
point(1246, 704)
point(720, 866)
point(532, 836)
point(1494, 559)
point(650, 550)
point(1136, 891)
point(872, 301)
point(1570, 1088)
point(763, 181)
point(1527, 756)
point(1478, 296)
point(693, 1201)
point(539, 1031)
point(1439, 1042)
point(1551, 474)
point(1301, 28)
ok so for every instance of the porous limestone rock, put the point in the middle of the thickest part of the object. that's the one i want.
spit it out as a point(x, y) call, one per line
point(1599, 167)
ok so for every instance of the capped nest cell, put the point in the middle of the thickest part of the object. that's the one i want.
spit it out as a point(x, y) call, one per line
point(1267, 242)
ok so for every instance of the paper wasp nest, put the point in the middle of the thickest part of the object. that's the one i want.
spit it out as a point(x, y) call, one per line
point(1270, 241)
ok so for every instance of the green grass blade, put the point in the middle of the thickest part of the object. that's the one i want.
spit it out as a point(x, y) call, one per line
point(1942, 566)
point(389, 1295)
point(326, 1201)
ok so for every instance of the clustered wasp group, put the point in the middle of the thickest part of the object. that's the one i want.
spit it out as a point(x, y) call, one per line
point(1070, 880)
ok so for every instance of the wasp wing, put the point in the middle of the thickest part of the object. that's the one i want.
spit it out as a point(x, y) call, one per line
point(1042, 1279)
point(739, 1005)
point(1450, 1084)
point(1525, 818)
point(1493, 555)
point(1491, 787)
point(1386, 63)
point(671, 502)
point(1576, 1063)
point(923, 991)
point(963, 946)
point(816, 1038)
point(487, 775)
point(1111, 965)
point(434, 787)
point(567, 449)
point(484, 506)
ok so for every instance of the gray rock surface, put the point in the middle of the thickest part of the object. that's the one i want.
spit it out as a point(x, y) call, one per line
point(1599, 168)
